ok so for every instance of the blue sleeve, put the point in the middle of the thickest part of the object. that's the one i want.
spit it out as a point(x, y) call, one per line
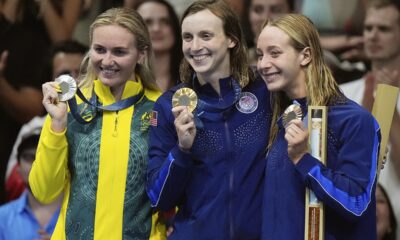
point(347, 186)
point(168, 167)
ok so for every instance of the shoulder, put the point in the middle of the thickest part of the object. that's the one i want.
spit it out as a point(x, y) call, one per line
point(152, 95)
point(350, 115)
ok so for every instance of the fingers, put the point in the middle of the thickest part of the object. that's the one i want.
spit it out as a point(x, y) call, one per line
point(184, 121)
point(50, 93)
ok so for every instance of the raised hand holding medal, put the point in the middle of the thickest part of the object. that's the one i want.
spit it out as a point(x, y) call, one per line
point(295, 132)
point(184, 101)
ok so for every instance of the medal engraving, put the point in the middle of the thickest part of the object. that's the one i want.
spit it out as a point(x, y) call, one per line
point(292, 112)
point(67, 87)
point(185, 97)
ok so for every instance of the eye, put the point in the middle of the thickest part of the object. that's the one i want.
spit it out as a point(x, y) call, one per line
point(258, 9)
point(164, 22)
point(119, 52)
point(259, 55)
point(206, 36)
point(99, 49)
point(274, 54)
point(187, 37)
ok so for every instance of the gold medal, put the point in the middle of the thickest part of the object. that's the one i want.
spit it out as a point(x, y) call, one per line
point(67, 86)
point(185, 97)
point(291, 112)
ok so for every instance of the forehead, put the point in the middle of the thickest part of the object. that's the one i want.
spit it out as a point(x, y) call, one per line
point(204, 20)
point(152, 10)
point(388, 16)
point(113, 36)
point(273, 36)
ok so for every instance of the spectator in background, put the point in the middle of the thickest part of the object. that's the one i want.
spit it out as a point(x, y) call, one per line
point(256, 13)
point(65, 58)
point(165, 34)
point(381, 45)
point(27, 29)
point(27, 218)
point(386, 223)
point(340, 24)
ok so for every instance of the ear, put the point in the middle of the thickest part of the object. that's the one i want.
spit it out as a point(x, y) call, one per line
point(232, 43)
point(305, 56)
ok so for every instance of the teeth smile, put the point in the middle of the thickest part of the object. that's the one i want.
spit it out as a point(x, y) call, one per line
point(199, 58)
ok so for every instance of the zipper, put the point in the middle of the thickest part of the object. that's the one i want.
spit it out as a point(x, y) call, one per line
point(115, 132)
point(231, 182)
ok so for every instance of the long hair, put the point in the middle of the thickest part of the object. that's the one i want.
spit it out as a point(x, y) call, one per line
point(239, 66)
point(322, 89)
point(176, 50)
point(133, 22)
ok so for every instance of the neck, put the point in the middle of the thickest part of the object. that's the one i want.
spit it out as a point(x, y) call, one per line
point(298, 89)
point(389, 64)
point(117, 92)
point(9, 10)
point(213, 80)
point(162, 70)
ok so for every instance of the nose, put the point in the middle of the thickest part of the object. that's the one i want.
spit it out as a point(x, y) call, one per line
point(107, 59)
point(263, 63)
point(196, 44)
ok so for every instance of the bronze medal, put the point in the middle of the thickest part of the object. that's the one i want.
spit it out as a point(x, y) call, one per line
point(67, 87)
point(291, 112)
point(185, 97)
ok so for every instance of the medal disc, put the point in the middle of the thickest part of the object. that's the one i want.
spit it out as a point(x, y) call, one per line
point(292, 112)
point(67, 87)
point(185, 97)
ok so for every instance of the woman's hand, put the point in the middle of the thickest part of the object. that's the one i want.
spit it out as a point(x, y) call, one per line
point(185, 127)
point(56, 109)
point(297, 137)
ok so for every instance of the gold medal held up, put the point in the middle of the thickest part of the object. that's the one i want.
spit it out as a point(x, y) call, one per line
point(291, 112)
point(185, 97)
point(67, 88)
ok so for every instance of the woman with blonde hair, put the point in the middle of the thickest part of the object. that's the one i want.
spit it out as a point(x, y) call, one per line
point(290, 61)
point(96, 153)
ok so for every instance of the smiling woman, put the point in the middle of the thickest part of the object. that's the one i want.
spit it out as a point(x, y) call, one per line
point(100, 165)
point(291, 62)
point(202, 160)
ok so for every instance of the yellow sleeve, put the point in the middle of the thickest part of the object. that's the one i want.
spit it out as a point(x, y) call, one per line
point(158, 231)
point(49, 173)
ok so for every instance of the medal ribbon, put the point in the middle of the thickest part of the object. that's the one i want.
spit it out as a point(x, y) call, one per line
point(122, 104)
point(214, 112)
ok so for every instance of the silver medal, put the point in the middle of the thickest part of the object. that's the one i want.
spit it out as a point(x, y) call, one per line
point(67, 87)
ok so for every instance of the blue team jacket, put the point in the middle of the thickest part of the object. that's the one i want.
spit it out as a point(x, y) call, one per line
point(218, 186)
point(346, 185)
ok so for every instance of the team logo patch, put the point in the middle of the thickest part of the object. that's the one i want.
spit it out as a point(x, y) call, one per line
point(247, 103)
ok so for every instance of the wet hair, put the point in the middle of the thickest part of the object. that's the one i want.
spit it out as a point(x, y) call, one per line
point(239, 66)
point(322, 88)
point(130, 20)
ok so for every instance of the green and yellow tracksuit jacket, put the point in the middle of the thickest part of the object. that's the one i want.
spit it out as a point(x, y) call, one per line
point(101, 169)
